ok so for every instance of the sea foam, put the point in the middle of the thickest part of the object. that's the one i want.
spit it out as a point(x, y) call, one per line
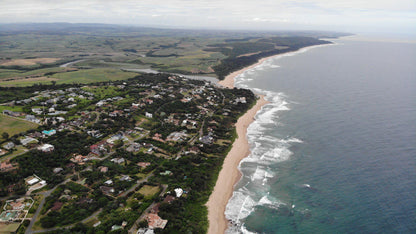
point(266, 148)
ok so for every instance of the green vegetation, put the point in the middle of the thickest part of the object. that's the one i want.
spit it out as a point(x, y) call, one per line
point(24, 61)
point(123, 141)
point(92, 76)
point(13, 125)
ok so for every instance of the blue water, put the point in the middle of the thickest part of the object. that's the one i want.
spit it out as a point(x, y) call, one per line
point(335, 150)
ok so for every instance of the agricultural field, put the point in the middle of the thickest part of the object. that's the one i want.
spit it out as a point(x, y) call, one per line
point(28, 62)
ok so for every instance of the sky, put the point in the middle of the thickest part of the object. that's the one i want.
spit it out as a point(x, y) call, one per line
point(384, 16)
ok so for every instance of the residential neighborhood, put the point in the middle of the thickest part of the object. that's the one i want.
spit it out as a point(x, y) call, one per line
point(118, 157)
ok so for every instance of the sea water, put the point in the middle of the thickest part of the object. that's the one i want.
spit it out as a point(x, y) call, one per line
point(335, 149)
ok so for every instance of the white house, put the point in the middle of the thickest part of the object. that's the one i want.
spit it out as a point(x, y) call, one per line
point(46, 148)
point(178, 192)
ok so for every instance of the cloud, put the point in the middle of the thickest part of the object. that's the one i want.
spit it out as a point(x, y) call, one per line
point(238, 14)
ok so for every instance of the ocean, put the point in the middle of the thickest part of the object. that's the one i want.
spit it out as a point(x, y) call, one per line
point(335, 150)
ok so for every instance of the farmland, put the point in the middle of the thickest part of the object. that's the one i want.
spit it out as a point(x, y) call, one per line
point(34, 56)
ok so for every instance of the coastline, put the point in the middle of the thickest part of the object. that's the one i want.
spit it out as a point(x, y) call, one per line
point(230, 174)
point(229, 80)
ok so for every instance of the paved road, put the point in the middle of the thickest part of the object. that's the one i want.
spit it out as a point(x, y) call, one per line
point(135, 226)
point(35, 216)
point(136, 185)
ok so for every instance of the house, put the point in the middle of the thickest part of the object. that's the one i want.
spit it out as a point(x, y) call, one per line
point(194, 150)
point(148, 115)
point(95, 133)
point(178, 192)
point(154, 221)
point(9, 146)
point(118, 160)
point(240, 100)
point(32, 181)
point(135, 147)
point(57, 170)
point(177, 136)
point(169, 199)
point(103, 169)
point(37, 111)
point(116, 227)
point(149, 101)
point(145, 231)
point(100, 103)
point(143, 164)
point(46, 148)
point(78, 159)
point(98, 148)
point(28, 140)
point(125, 178)
point(166, 173)
point(158, 137)
point(107, 190)
point(32, 118)
point(207, 139)
point(60, 119)
point(12, 113)
point(6, 166)
point(117, 137)
point(108, 182)
point(50, 132)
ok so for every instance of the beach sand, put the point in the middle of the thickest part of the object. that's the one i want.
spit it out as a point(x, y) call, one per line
point(229, 174)
point(229, 80)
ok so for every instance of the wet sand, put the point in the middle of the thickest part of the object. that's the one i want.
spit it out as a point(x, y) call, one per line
point(229, 174)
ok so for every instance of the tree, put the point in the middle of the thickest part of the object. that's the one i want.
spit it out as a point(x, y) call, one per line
point(5, 135)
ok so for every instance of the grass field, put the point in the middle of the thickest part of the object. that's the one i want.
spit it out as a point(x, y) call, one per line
point(92, 75)
point(9, 228)
point(14, 108)
point(80, 76)
point(19, 150)
point(14, 125)
point(28, 62)
point(148, 191)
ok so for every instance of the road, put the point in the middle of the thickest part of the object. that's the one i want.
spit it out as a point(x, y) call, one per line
point(136, 185)
point(42, 202)
point(135, 226)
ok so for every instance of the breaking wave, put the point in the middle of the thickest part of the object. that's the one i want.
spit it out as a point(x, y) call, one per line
point(267, 149)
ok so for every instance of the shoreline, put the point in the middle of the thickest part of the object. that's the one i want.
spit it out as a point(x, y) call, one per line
point(230, 174)
point(229, 79)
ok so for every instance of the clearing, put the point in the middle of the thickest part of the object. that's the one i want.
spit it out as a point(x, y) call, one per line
point(13, 125)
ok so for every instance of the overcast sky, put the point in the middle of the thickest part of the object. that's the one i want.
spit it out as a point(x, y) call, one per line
point(397, 16)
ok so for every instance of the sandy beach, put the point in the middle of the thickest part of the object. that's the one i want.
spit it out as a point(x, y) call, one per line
point(229, 174)
point(229, 80)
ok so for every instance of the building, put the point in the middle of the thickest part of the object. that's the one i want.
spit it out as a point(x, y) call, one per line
point(143, 164)
point(46, 148)
point(118, 160)
point(50, 132)
point(149, 115)
point(178, 192)
point(28, 140)
point(32, 181)
point(9, 146)
point(154, 221)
